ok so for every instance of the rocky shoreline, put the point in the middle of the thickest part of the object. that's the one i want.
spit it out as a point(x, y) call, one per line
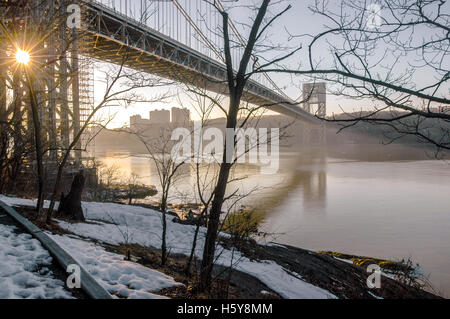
point(343, 279)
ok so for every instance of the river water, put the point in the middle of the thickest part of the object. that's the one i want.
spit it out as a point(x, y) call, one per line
point(388, 209)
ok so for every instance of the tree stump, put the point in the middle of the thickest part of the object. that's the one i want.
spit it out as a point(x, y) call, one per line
point(70, 205)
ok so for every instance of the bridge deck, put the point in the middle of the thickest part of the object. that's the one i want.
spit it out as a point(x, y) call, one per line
point(111, 36)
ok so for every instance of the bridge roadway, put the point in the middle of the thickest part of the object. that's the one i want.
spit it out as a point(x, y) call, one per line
point(110, 34)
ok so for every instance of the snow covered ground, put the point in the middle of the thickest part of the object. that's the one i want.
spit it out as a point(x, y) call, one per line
point(142, 226)
point(118, 276)
point(24, 271)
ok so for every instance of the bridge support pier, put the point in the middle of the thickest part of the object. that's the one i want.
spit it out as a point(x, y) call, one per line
point(315, 94)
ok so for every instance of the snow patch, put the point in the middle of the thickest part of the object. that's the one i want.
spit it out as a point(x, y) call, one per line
point(375, 296)
point(14, 201)
point(116, 275)
point(24, 271)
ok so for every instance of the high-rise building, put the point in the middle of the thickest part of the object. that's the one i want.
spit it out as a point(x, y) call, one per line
point(160, 117)
point(181, 116)
point(137, 123)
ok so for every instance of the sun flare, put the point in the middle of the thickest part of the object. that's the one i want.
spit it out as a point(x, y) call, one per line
point(22, 57)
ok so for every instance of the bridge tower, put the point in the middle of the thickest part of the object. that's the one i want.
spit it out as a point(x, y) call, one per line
point(315, 94)
point(61, 72)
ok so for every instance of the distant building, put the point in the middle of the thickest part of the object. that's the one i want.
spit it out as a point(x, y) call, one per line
point(160, 117)
point(180, 116)
point(137, 123)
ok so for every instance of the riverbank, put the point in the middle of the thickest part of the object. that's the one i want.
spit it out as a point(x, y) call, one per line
point(260, 270)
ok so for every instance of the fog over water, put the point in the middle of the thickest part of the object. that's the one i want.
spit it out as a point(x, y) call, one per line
point(395, 206)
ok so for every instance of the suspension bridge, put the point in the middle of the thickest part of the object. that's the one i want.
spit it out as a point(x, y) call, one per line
point(175, 39)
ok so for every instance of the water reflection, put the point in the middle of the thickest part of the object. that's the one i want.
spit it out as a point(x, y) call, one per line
point(314, 191)
point(302, 173)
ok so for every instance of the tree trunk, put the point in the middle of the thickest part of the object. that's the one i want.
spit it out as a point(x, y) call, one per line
point(219, 195)
point(163, 244)
point(38, 148)
point(57, 186)
point(213, 226)
point(164, 231)
point(70, 205)
point(236, 86)
point(187, 270)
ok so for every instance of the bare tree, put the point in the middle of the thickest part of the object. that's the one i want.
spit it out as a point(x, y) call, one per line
point(121, 86)
point(391, 54)
point(19, 28)
point(161, 154)
point(236, 83)
point(38, 145)
point(16, 146)
point(207, 162)
point(204, 183)
point(132, 183)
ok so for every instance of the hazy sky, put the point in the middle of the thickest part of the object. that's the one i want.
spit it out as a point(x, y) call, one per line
point(298, 20)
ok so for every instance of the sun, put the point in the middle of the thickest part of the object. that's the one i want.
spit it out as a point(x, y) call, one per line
point(22, 57)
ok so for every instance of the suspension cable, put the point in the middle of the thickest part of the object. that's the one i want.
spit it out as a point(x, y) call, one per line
point(241, 40)
point(194, 25)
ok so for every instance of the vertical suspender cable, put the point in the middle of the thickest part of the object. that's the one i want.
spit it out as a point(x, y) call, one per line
point(193, 25)
point(241, 40)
